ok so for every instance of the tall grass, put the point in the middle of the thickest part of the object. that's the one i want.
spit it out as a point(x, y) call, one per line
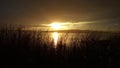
point(27, 49)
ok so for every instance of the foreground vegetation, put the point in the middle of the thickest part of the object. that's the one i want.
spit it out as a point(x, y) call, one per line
point(30, 49)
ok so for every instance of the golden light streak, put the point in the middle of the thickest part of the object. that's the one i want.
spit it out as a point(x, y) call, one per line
point(55, 37)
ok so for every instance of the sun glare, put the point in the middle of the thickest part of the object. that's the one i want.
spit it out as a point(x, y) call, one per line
point(55, 26)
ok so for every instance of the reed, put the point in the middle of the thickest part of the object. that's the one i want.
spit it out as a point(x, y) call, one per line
point(21, 48)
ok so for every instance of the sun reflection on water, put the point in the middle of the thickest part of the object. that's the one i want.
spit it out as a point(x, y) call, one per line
point(55, 38)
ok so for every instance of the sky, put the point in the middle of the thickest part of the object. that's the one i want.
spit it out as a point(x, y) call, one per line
point(80, 14)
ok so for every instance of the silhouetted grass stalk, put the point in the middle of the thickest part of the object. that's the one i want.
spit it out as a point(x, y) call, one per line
point(37, 48)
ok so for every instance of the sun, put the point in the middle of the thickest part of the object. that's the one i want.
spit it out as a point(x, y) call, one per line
point(55, 25)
